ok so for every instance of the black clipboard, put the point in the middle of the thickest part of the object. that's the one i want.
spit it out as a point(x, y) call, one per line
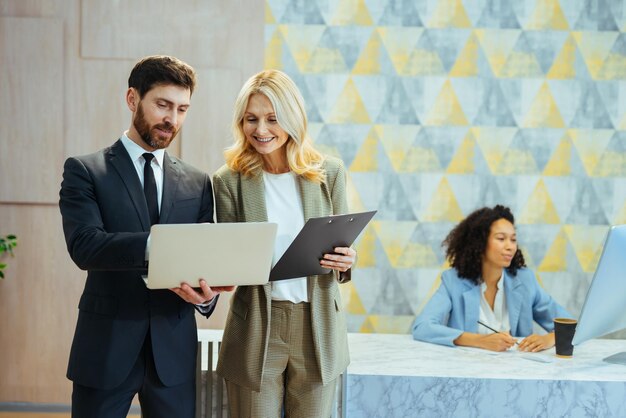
point(317, 237)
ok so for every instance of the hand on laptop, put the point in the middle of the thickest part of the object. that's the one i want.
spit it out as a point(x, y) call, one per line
point(202, 295)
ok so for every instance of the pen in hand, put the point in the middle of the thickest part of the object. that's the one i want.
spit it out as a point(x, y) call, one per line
point(494, 330)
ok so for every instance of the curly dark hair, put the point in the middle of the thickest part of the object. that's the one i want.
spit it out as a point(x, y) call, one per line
point(467, 242)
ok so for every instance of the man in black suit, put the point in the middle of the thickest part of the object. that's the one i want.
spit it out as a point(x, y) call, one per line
point(130, 339)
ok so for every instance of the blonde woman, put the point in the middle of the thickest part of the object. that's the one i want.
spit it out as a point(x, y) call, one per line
point(285, 342)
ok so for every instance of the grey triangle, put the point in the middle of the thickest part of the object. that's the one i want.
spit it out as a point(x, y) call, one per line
point(303, 13)
point(313, 115)
point(494, 110)
point(347, 138)
point(350, 40)
point(392, 298)
point(541, 143)
point(545, 45)
point(535, 240)
point(384, 192)
point(432, 234)
point(591, 112)
point(596, 15)
point(586, 210)
point(498, 14)
point(444, 141)
point(448, 44)
point(400, 13)
point(397, 107)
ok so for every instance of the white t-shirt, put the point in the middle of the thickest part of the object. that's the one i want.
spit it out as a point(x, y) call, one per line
point(284, 207)
point(498, 318)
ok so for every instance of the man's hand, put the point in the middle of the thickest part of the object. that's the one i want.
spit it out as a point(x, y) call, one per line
point(199, 297)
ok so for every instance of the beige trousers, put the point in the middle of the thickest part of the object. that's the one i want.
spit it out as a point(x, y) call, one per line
point(291, 376)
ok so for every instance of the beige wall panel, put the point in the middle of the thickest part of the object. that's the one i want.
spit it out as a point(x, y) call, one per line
point(32, 8)
point(31, 105)
point(210, 33)
point(97, 112)
point(207, 128)
point(38, 304)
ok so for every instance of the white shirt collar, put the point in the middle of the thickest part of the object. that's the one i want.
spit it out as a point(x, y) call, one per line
point(136, 152)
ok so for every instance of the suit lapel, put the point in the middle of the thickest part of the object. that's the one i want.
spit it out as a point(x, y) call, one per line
point(120, 160)
point(471, 300)
point(513, 300)
point(253, 197)
point(310, 196)
point(171, 176)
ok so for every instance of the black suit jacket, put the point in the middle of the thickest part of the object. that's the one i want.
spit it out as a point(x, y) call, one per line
point(106, 225)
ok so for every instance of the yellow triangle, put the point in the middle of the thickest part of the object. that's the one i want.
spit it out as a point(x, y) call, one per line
point(368, 326)
point(302, 40)
point(419, 160)
point(399, 43)
point(394, 236)
point(449, 14)
point(349, 107)
point(611, 164)
point(559, 164)
point(564, 65)
point(587, 241)
point(274, 52)
point(325, 60)
point(466, 64)
point(396, 140)
point(614, 68)
point(516, 162)
point(423, 62)
point(351, 300)
point(544, 113)
point(446, 110)
point(463, 161)
point(443, 205)
point(369, 60)
point(366, 247)
point(352, 12)
point(539, 208)
point(521, 65)
point(620, 218)
point(366, 158)
point(418, 255)
point(269, 16)
point(547, 15)
point(354, 200)
point(494, 142)
point(396, 324)
point(590, 145)
point(555, 258)
point(595, 48)
point(497, 44)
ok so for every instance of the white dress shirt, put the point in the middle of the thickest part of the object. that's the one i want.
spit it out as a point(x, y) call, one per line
point(136, 156)
point(498, 317)
point(284, 207)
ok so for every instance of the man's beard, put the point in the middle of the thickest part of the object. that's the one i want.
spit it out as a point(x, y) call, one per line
point(149, 134)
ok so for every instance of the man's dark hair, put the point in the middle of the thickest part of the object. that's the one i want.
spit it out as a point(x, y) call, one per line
point(467, 242)
point(161, 70)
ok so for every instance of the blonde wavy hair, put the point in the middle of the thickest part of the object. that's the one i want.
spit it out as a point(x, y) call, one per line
point(288, 104)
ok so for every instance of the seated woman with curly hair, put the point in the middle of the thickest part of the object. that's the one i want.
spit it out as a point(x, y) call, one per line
point(487, 287)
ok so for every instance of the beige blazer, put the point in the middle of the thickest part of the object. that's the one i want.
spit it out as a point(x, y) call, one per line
point(244, 346)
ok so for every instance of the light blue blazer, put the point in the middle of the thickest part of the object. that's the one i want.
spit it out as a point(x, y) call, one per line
point(455, 308)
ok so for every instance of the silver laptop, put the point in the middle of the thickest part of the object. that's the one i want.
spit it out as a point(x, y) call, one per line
point(223, 254)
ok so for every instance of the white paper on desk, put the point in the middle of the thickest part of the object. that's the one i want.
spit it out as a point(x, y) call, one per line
point(541, 357)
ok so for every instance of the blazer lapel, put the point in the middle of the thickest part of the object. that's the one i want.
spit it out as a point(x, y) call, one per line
point(514, 298)
point(471, 300)
point(171, 176)
point(311, 199)
point(253, 198)
point(120, 160)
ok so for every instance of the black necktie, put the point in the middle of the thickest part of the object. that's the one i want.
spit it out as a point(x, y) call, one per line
point(150, 189)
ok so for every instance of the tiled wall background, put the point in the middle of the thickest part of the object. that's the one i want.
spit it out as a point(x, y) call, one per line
point(439, 107)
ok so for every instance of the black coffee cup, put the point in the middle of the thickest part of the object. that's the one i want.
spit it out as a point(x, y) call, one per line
point(564, 329)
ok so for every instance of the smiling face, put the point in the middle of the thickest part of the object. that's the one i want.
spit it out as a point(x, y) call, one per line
point(263, 132)
point(501, 244)
point(158, 116)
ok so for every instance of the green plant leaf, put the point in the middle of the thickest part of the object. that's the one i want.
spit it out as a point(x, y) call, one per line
point(11, 237)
